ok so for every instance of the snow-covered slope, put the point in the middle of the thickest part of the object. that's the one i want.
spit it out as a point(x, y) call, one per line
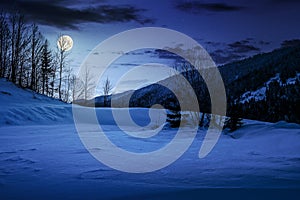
point(45, 160)
point(21, 106)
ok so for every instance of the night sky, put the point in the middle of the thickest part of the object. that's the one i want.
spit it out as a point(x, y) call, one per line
point(228, 30)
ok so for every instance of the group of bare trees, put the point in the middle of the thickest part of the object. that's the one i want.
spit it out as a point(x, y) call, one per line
point(85, 86)
point(26, 59)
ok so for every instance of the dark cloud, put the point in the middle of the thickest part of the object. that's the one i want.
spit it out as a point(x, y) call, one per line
point(214, 44)
point(264, 43)
point(56, 13)
point(198, 7)
point(290, 43)
point(223, 53)
point(223, 57)
point(242, 46)
point(284, 1)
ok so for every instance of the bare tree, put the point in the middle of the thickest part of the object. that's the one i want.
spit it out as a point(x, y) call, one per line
point(107, 87)
point(25, 58)
point(83, 86)
point(13, 64)
point(88, 85)
point(51, 85)
point(77, 89)
point(61, 57)
point(68, 84)
point(18, 43)
point(36, 46)
point(4, 45)
point(73, 86)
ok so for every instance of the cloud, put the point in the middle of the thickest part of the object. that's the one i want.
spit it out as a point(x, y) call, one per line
point(242, 46)
point(198, 7)
point(223, 57)
point(290, 43)
point(134, 82)
point(284, 1)
point(212, 45)
point(57, 13)
point(264, 42)
point(223, 53)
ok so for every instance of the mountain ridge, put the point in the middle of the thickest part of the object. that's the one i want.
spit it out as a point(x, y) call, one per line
point(240, 78)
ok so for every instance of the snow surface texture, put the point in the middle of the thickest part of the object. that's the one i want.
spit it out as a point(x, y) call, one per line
point(23, 107)
point(42, 157)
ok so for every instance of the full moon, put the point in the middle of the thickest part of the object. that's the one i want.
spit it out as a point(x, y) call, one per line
point(65, 43)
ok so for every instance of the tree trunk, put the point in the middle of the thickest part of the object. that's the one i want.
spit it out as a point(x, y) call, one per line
point(60, 73)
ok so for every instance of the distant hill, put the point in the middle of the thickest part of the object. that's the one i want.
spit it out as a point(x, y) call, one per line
point(263, 87)
point(267, 86)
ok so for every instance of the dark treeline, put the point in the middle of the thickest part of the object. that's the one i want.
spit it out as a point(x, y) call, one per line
point(27, 60)
point(274, 72)
point(277, 73)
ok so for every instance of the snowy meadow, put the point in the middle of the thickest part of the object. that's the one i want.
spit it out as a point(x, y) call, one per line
point(42, 156)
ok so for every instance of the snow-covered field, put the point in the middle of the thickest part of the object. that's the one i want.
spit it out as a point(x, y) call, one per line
point(42, 157)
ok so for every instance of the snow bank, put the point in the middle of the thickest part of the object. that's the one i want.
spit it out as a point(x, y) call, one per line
point(11, 95)
point(48, 161)
point(23, 107)
point(29, 115)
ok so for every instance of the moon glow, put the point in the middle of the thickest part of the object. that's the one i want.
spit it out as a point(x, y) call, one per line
point(65, 43)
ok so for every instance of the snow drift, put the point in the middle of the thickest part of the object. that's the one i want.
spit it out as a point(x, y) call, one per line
point(45, 159)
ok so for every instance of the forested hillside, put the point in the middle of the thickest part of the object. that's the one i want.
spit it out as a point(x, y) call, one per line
point(263, 87)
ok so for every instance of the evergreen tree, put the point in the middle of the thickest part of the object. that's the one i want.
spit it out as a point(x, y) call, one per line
point(46, 66)
point(233, 122)
point(174, 118)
